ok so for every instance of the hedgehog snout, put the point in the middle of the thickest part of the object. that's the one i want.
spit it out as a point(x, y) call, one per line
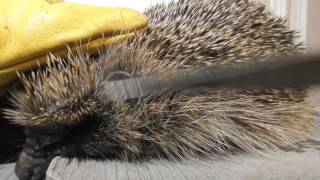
point(30, 167)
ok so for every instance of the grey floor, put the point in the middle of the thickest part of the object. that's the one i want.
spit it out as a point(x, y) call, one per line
point(300, 161)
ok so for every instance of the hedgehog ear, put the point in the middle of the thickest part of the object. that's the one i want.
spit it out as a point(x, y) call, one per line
point(118, 75)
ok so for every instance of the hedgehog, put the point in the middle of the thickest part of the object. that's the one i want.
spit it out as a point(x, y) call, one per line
point(63, 114)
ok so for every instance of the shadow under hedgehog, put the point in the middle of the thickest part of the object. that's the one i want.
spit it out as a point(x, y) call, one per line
point(63, 115)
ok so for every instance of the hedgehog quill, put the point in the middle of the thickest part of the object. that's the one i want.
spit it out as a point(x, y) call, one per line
point(63, 114)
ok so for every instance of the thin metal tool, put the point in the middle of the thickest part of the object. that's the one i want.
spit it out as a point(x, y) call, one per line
point(279, 72)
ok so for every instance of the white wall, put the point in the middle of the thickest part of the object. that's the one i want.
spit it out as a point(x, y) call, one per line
point(313, 26)
point(303, 16)
point(139, 5)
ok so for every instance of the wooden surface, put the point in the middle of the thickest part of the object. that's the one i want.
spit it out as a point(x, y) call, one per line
point(282, 165)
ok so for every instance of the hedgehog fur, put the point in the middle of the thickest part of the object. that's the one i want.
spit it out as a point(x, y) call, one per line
point(63, 114)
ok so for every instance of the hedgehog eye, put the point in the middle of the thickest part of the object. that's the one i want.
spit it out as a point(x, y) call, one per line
point(49, 143)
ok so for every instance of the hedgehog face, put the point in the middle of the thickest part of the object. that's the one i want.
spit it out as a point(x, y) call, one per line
point(39, 141)
point(41, 145)
point(51, 139)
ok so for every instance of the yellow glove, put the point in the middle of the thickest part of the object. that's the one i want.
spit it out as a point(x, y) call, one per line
point(30, 29)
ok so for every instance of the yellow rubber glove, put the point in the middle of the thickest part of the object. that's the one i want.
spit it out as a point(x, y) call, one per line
point(30, 29)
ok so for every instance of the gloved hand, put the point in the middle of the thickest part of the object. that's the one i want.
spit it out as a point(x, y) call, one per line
point(30, 29)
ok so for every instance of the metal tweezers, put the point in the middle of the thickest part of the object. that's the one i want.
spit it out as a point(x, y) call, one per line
point(298, 71)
